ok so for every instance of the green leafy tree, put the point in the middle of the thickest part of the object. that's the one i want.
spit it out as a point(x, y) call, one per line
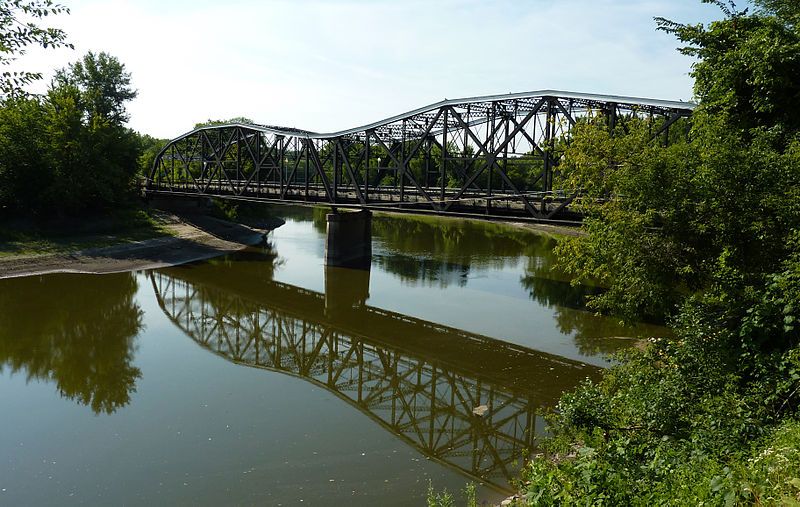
point(747, 65)
point(150, 148)
point(95, 154)
point(24, 162)
point(17, 33)
point(104, 84)
point(236, 119)
point(674, 220)
point(706, 233)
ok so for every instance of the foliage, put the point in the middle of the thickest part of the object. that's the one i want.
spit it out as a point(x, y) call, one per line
point(640, 185)
point(748, 64)
point(772, 472)
point(224, 209)
point(104, 87)
point(236, 119)
point(671, 426)
point(70, 151)
point(672, 221)
point(149, 147)
point(446, 499)
point(24, 165)
point(706, 233)
point(18, 30)
point(442, 499)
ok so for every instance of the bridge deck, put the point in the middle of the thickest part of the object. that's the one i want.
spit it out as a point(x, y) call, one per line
point(502, 203)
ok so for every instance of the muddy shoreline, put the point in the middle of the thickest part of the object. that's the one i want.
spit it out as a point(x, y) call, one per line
point(193, 238)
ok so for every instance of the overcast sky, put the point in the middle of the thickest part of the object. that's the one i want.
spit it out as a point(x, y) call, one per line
point(326, 65)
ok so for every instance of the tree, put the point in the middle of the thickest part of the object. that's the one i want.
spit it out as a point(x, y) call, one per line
point(678, 221)
point(24, 161)
point(16, 34)
point(149, 147)
point(747, 65)
point(705, 233)
point(95, 154)
point(104, 85)
point(236, 119)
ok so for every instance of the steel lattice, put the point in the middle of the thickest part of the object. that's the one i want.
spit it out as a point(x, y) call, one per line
point(487, 155)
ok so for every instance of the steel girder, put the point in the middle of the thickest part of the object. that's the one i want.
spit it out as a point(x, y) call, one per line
point(490, 155)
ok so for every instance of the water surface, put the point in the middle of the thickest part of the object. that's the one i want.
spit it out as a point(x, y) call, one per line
point(265, 378)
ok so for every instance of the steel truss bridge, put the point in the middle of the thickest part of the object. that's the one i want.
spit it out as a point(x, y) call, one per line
point(399, 371)
point(493, 155)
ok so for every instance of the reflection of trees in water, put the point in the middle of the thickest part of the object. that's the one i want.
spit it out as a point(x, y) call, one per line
point(444, 251)
point(593, 334)
point(264, 254)
point(597, 334)
point(556, 293)
point(75, 330)
point(432, 272)
point(455, 241)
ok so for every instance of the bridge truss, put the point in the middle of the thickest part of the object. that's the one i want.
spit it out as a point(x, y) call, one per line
point(493, 155)
point(426, 403)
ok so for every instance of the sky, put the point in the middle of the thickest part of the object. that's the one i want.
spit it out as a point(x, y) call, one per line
point(327, 65)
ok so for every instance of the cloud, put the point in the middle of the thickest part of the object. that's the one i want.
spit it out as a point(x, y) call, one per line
point(328, 65)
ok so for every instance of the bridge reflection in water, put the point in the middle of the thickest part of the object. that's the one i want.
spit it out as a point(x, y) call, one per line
point(418, 379)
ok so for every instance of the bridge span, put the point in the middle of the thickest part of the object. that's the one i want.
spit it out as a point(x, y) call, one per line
point(490, 156)
point(417, 379)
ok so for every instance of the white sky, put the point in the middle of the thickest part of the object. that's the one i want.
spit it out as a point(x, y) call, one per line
point(326, 65)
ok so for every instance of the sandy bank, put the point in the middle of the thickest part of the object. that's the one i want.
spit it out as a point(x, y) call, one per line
point(193, 238)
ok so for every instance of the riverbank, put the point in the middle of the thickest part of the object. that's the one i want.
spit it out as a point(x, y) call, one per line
point(171, 241)
point(553, 229)
point(152, 239)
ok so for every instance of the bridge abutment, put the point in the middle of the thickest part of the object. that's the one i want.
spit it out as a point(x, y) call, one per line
point(179, 204)
point(349, 240)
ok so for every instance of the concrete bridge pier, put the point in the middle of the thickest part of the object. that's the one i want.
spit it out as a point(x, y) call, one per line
point(349, 240)
point(348, 257)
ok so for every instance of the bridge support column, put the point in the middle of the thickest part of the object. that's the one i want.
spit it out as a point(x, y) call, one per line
point(349, 240)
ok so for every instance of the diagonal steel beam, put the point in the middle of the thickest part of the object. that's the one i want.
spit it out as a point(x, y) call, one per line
point(491, 157)
point(315, 161)
point(404, 170)
point(349, 170)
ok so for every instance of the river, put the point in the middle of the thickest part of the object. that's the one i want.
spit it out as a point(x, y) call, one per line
point(265, 378)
